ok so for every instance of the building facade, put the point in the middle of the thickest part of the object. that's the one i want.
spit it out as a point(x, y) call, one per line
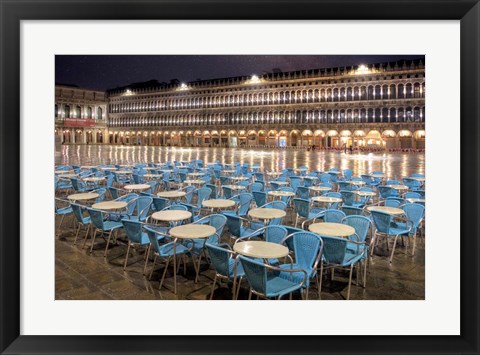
point(80, 115)
point(380, 105)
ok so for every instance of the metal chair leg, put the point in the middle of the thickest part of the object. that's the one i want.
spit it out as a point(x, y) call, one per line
point(93, 240)
point(213, 286)
point(393, 249)
point(108, 243)
point(349, 282)
point(126, 256)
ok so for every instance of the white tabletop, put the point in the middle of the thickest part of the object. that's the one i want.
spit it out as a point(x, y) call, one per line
point(69, 175)
point(110, 205)
point(357, 182)
point(108, 168)
point(171, 194)
point(228, 171)
point(83, 196)
point(274, 173)
point(195, 174)
point(332, 229)
point(153, 175)
point(238, 178)
point(378, 175)
point(365, 193)
point(235, 187)
point(326, 199)
point(192, 231)
point(422, 179)
point(320, 188)
point(281, 193)
point(135, 187)
point(123, 172)
point(333, 172)
point(218, 203)
point(61, 172)
point(260, 249)
point(171, 215)
point(88, 166)
point(166, 170)
point(194, 182)
point(94, 178)
point(385, 209)
point(266, 213)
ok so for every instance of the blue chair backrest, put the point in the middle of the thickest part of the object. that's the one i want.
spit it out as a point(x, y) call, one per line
point(350, 210)
point(382, 221)
point(256, 274)
point(393, 202)
point(412, 183)
point(411, 194)
point(244, 201)
point(234, 224)
point(128, 199)
point(203, 194)
point(333, 216)
point(334, 249)
point(114, 192)
point(96, 216)
point(220, 259)
point(275, 233)
point(303, 192)
point(302, 207)
point(386, 191)
point(418, 175)
point(393, 182)
point(256, 186)
point(176, 207)
point(133, 230)
point(347, 173)
point(307, 246)
point(361, 224)
point(160, 203)
point(259, 197)
point(109, 180)
point(78, 212)
point(214, 193)
point(295, 182)
point(218, 221)
point(227, 192)
point(348, 197)
point(101, 194)
point(143, 206)
point(77, 185)
point(325, 178)
point(333, 205)
point(345, 186)
point(414, 212)
point(189, 194)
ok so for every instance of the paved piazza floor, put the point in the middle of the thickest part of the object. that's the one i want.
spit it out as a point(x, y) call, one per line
point(79, 275)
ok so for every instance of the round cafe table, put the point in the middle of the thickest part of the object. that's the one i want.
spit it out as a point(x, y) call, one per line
point(189, 231)
point(238, 178)
point(63, 172)
point(123, 172)
point(218, 203)
point(386, 209)
point(152, 176)
point(171, 215)
point(235, 187)
point(171, 194)
point(415, 200)
point(194, 182)
point(94, 179)
point(110, 205)
point(282, 183)
point(88, 167)
point(228, 172)
point(260, 249)
point(358, 183)
point(137, 187)
point(331, 229)
point(266, 214)
point(380, 176)
point(195, 174)
point(326, 199)
point(67, 176)
point(365, 193)
point(274, 173)
point(85, 196)
point(108, 168)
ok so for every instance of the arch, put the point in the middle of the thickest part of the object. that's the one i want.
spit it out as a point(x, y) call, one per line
point(294, 138)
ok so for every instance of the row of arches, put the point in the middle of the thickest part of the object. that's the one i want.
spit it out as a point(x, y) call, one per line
point(364, 115)
point(351, 93)
point(273, 138)
point(78, 111)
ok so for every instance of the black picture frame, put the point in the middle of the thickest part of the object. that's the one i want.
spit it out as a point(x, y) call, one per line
point(13, 12)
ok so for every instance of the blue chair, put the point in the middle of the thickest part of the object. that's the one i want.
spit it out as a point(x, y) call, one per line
point(62, 211)
point(101, 194)
point(333, 216)
point(333, 205)
point(411, 194)
point(412, 183)
point(153, 187)
point(227, 192)
point(203, 193)
point(279, 205)
point(103, 226)
point(239, 227)
point(159, 203)
point(307, 249)
point(341, 253)
point(286, 199)
point(393, 182)
point(243, 201)
point(226, 266)
point(303, 210)
point(295, 182)
point(143, 207)
point(80, 186)
point(62, 184)
point(345, 186)
point(385, 226)
point(347, 174)
point(265, 280)
point(386, 191)
point(415, 214)
point(136, 236)
point(170, 250)
point(363, 227)
point(393, 202)
point(260, 197)
point(370, 180)
point(218, 221)
point(131, 200)
point(303, 192)
point(82, 221)
point(348, 199)
point(214, 194)
point(256, 186)
point(189, 194)
point(418, 175)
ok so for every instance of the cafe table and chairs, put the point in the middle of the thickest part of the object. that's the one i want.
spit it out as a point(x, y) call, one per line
point(102, 224)
point(187, 233)
point(328, 201)
point(195, 182)
point(219, 204)
point(280, 195)
point(83, 197)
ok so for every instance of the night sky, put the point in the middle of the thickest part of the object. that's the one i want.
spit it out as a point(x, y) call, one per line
point(102, 72)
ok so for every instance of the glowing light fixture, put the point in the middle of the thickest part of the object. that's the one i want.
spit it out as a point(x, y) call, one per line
point(362, 69)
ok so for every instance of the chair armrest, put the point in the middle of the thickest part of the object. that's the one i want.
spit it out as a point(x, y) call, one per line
point(274, 268)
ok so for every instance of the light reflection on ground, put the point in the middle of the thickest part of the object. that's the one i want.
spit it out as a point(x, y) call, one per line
point(395, 165)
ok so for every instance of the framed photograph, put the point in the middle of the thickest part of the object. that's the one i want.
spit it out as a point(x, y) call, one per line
point(177, 122)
